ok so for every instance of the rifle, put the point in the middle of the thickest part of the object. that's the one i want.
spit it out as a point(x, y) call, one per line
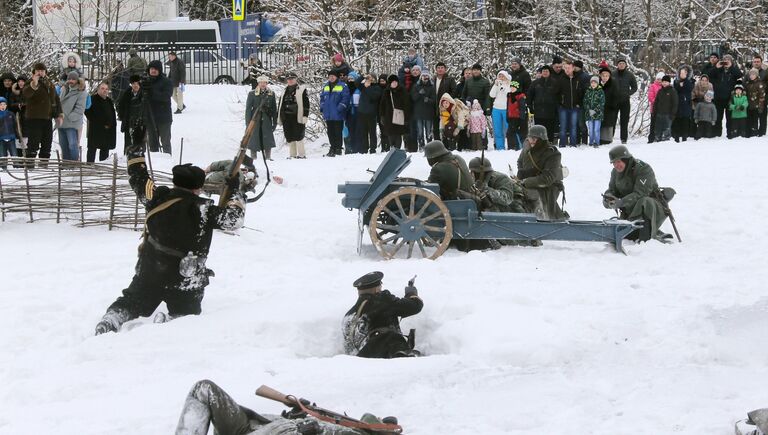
point(304, 406)
point(658, 194)
point(240, 156)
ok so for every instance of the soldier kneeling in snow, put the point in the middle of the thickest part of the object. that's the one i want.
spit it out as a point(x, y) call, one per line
point(177, 237)
point(208, 404)
point(633, 192)
point(371, 328)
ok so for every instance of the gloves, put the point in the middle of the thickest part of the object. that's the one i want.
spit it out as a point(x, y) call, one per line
point(233, 183)
point(105, 326)
point(422, 92)
point(487, 112)
point(592, 112)
point(616, 203)
point(181, 87)
point(607, 199)
point(411, 291)
point(426, 100)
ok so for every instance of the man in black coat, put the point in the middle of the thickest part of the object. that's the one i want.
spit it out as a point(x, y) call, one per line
point(177, 74)
point(519, 74)
point(102, 123)
point(158, 91)
point(177, 237)
point(542, 100)
point(371, 328)
point(367, 111)
point(130, 111)
point(444, 84)
point(584, 78)
point(423, 107)
point(723, 77)
point(626, 85)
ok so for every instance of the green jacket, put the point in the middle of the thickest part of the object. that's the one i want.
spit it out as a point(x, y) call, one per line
point(451, 173)
point(738, 106)
point(634, 187)
point(594, 99)
point(504, 194)
point(539, 168)
point(477, 88)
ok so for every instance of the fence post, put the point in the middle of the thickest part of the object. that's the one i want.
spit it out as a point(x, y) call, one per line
point(2, 201)
point(136, 215)
point(58, 203)
point(29, 194)
point(114, 190)
point(82, 198)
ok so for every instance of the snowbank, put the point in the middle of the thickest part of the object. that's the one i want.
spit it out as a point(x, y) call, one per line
point(567, 337)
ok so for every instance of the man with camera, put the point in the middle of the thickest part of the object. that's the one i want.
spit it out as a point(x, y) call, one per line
point(43, 105)
point(158, 116)
point(723, 76)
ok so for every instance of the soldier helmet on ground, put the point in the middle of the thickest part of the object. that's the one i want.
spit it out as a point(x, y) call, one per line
point(538, 132)
point(435, 149)
point(188, 176)
point(368, 281)
point(480, 164)
point(619, 152)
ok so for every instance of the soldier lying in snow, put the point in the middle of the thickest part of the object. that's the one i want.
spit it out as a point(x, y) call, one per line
point(207, 404)
point(371, 328)
point(217, 172)
point(177, 237)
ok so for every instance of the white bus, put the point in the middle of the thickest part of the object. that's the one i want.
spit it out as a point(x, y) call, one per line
point(157, 32)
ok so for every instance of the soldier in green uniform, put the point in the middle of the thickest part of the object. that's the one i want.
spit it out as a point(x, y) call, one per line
point(493, 190)
point(631, 191)
point(540, 171)
point(218, 171)
point(448, 170)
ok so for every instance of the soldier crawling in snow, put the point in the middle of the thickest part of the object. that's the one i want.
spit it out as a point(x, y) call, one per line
point(177, 237)
point(371, 328)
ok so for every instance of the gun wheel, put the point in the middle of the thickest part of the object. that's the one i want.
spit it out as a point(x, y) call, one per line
point(411, 221)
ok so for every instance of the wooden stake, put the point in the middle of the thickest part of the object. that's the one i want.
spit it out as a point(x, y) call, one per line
point(181, 152)
point(82, 200)
point(2, 201)
point(58, 204)
point(114, 191)
point(29, 195)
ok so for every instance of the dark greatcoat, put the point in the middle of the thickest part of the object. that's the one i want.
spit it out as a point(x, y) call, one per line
point(102, 123)
point(262, 137)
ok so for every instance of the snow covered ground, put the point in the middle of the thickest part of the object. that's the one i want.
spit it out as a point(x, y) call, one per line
point(565, 338)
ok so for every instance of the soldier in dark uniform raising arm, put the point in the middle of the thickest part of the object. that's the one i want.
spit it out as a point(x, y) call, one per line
point(177, 236)
point(371, 327)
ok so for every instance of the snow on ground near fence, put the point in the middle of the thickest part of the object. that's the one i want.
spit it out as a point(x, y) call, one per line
point(567, 337)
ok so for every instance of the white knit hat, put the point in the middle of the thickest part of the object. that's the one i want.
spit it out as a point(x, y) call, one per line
point(505, 74)
point(660, 75)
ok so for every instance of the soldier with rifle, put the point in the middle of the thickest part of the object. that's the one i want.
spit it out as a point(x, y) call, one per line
point(208, 404)
point(635, 194)
point(371, 328)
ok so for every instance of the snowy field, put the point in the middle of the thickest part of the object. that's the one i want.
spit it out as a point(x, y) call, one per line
point(565, 338)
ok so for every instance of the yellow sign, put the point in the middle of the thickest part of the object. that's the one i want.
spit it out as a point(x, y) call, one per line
point(238, 10)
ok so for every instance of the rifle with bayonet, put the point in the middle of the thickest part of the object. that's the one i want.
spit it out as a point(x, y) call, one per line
point(303, 407)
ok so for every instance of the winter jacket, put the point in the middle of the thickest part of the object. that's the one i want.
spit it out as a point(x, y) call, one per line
point(370, 98)
point(633, 186)
point(653, 89)
point(570, 92)
point(9, 127)
point(262, 137)
point(756, 94)
point(18, 105)
point(699, 90)
point(477, 122)
point(408, 63)
point(539, 168)
point(498, 94)
point(455, 118)
point(73, 106)
point(521, 76)
point(478, 88)
point(738, 106)
point(666, 102)
point(129, 109)
point(705, 112)
point(594, 104)
point(136, 65)
point(517, 106)
point(159, 93)
point(42, 103)
point(542, 98)
point(447, 85)
point(423, 100)
point(684, 91)
point(342, 70)
point(293, 112)
point(626, 84)
point(451, 173)
point(612, 103)
point(177, 72)
point(334, 101)
point(102, 123)
point(723, 80)
point(66, 69)
point(6, 93)
point(392, 99)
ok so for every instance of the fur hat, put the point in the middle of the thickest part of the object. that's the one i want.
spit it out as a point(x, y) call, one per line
point(188, 176)
point(156, 64)
point(546, 67)
point(7, 76)
point(578, 64)
point(134, 78)
point(382, 77)
point(73, 75)
point(392, 78)
point(556, 59)
point(667, 79)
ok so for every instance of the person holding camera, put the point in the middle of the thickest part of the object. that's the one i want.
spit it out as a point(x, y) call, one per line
point(158, 117)
point(724, 77)
point(43, 105)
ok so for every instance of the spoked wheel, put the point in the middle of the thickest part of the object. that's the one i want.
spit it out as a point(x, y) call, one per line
point(411, 220)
